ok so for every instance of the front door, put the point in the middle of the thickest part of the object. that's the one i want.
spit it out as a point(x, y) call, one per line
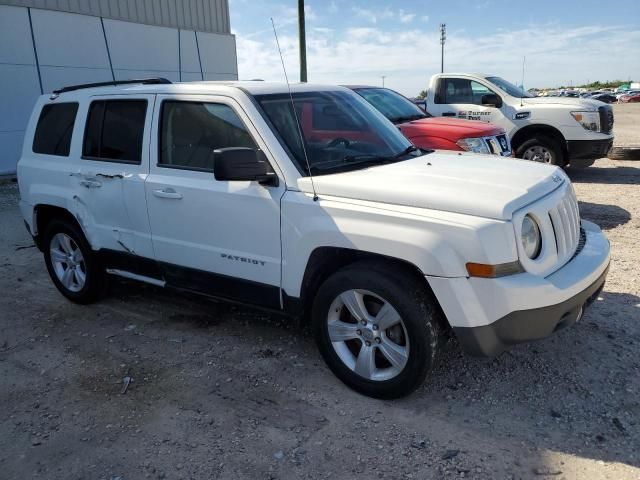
point(217, 237)
point(462, 98)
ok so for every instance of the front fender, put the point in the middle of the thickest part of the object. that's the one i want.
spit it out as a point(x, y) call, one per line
point(437, 243)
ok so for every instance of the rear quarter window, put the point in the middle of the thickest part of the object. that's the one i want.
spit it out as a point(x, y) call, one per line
point(54, 128)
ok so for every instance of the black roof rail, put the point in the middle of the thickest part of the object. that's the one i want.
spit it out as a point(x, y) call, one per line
point(142, 81)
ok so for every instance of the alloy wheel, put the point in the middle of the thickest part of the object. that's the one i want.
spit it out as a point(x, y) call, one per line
point(368, 335)
point(68, 262)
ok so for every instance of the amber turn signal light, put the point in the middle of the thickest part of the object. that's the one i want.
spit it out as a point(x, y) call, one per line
point(493, 271)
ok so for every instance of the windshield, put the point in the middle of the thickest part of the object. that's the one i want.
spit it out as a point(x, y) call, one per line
point(509, 88)
point(391, 104)
point(341, 131)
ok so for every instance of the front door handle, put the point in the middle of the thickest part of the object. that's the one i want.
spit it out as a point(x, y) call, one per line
point(167, 193)
point(448, 114)
point(90, 183)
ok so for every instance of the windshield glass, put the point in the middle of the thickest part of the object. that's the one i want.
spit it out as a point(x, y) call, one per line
point(341, 131)
point(509, 88)
point(391, 104)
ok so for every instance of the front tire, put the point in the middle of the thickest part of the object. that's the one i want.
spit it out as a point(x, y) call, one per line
point(72, 264)
point(377, 328)
point(541, 149)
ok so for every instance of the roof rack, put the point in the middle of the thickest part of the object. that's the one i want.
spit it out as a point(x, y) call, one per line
point(142, 81)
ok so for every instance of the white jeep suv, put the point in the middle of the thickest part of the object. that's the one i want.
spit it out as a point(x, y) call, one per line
point(323, 211)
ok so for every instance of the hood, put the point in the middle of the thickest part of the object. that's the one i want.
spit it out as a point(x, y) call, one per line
point(577, 103)
point(479, 185)
point(447, 127)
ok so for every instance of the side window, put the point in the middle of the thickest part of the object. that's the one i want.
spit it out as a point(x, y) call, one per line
point(457, 90)
point(114, 131)
point(190, 131)
point(478, 90)
point(53, 132)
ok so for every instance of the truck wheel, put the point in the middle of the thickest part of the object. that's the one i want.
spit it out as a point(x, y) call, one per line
point(541, 149)
point(71, 263)
point(377, 328)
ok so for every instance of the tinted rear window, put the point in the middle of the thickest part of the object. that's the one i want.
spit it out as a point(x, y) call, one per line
point(53, 132)
point(114, 130)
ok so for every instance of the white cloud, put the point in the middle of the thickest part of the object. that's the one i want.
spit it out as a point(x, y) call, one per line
point(405, 17)
point(333, 7)
point(555, 55)
point(374, 16)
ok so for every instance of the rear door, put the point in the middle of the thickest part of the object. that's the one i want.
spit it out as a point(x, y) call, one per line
point(216, 237)
point(110, 174)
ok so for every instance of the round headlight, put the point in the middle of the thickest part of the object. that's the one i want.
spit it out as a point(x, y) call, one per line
point(531, 237)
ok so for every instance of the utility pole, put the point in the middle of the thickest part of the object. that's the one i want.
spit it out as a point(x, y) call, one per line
point(383, 77)
point(443, 37)
point(303, 42)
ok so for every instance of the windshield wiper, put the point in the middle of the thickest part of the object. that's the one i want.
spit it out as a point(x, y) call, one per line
point(407, 151)
point(367, 157)
point(409, 118)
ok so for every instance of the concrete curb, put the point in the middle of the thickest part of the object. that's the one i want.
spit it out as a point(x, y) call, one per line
point(625, 152)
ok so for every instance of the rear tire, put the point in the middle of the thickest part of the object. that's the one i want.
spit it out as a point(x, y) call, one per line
point(73, 266)
point(390, 355)
point(541, 149)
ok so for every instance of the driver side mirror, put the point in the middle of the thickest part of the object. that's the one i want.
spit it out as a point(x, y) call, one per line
point(243, 164)
point(491, 100)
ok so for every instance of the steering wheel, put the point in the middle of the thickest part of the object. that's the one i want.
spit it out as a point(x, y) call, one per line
point(337, 141)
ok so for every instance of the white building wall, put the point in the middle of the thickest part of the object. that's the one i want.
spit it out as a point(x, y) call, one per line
point(71, 49)
point(217, 63)
point(190, 59)
point(200, 15)
point(19, 86)
point(154, 52)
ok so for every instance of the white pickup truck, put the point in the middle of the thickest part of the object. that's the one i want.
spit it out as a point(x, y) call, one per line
point(557, 130)
point(206, 187)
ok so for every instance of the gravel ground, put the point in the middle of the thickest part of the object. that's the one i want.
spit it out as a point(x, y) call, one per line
point(219, 391)
point(626, 124)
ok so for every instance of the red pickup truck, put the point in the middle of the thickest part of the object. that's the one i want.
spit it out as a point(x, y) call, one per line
point(438, 133)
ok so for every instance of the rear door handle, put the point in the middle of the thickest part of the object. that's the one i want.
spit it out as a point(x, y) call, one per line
point(448, 114)
point(167, 193)
point(90, 183)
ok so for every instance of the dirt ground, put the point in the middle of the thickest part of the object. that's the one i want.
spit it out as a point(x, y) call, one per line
point(219, 391)
point(626, 124)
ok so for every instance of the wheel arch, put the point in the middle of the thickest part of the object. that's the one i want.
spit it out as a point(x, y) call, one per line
point(324, 261)
point(44, 214)
point(529, 131)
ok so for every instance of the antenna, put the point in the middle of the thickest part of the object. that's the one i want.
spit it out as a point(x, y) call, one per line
point(522, 82)
point(295, 114)
point(443, 38)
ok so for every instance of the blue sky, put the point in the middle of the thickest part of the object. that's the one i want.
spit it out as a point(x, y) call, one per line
point(564, 41)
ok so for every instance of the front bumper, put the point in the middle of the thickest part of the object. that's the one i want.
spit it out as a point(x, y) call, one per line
point(527, 325)
point(490, 315)
point(583, 153)
point(499, 145)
